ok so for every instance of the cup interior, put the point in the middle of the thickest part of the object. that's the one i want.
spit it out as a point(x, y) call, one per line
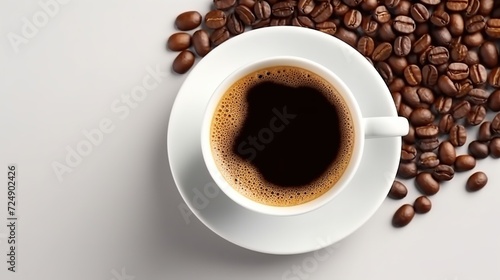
point(358, 137)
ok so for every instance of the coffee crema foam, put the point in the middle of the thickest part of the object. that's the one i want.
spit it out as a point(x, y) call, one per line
point(229, 117)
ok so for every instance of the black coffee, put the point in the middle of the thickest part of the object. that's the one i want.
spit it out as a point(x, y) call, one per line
point(282, 136)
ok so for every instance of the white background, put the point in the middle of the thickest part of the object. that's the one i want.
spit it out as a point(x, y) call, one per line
point(116, 215)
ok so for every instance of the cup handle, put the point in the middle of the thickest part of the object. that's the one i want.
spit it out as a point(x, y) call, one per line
point(377, 127)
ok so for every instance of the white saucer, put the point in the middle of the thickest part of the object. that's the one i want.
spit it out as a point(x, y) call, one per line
point(293, 234)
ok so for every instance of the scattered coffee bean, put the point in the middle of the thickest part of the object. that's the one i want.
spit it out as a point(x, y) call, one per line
point(495, 124)
point(478, 74)
point(402, 46)
point(473, 40)
point(457, 5)
point(478, 149)
point(188, 20)
point(413, 75)
point(440, 18)
point(484, 134)
point(438, 55)
point(428, 160)
point(398, 190)
point(460, 109)
point(403, 216)
point(459, 53)
point(476, 181)
point(457, 24)
point(447, 153)
point(443, 172)
point(352, 19)
point(321, 12)
point(381, 14)
point(179, 41)
point(472, 8)
point(404, 24)
point(183, 62)
point(442, 105)
point(428, 144)
point(494, 77)
point(305, 7)
point(458, 135)
point(419, 13)
point(429, 75)
point(465, 163)
point(215, 19)
point(286, 8)
point(477, 96)
point(219, 36)
point(446, 123)
point(407, 170)
point(495, 147)
point(494, 101)
point(382, 52)
point(488, 54)
point(422, 205)
point(458, 71)
point(428, 131)
point(476, 115)
point(234, 25)
point(224, 4)
point(328, 27)
point(408, 152)
point(262, 9)
point(365, 45)
point(493, 27)
point(245, 14)
point(426, 184)
point(410, 137)
point(421, 116)
point(475, 23)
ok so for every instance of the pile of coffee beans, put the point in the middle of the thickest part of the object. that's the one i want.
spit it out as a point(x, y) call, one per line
point(439, 59)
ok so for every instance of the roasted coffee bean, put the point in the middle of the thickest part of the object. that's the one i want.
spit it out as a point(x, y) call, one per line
point(472, 57)
point(224, 4)
point(403, 216)
point(396, 97)
point(402, 9)
point(428, 131)
point(443, 172)
point(442, 68)
point(476, 115)
point(413, 75)
point(382, 52)
point(219, 36)
point(457, 24)
point(484, 134)
point(431, 2)
point(429, 75)
point(370, 5)
point(440, 18)
point(279, 21)
point(476, 181)
point(352, 3)
point(426, 184)
point(340, 10)
point(407, 170)
point(385, 71)
point(477, 96)
point(464, 163)
point(385, 32)
point(285, 9)
point(485, 7)
point(419, 13)
point(201, 42)
point(422, 205)
point(428, 160)
point(447, 153)
point(352, 19)
point(398, 64)
point(328, 27)
point(347, 36)
point(381, 14)
point(262, 10)
point(404, 24)
point(447, 86)
point(410, 137)
point(215, 19)
point(494, 77)
point(458, 71)
point(397, 85)
point(457, 5)
point(488, 53)
point(441, 36)
point(460, 110)
point(405, 110)
point(458, 135)
point(478, 74)
point(305, 7)
point(421, 116)
point(422, 43)
point(422, 58)
point(428, 144)
point(369, 26)
point(493, 27)
point(262, 23)
point(475, 23)
point(188, 20)
point(495, 147)
point(464, 87)
point(472, 8)
point(234, 25)
point(398, 190)
point(473, 40)
point(420, 30)
point(442, 105)
point(179, 41)
point(304, 21)
point(391, 3)
point(322, 11)
point(365, 45)
point(459, 53)
point(183, 62)
point(408, 152)
point(245, 14)
point(495, 124)
point(438, 55)
point(494, 101)
point(426, 96)
point(446, 123)
point(478, 149)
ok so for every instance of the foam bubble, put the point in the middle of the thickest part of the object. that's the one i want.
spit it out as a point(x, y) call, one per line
point(245, 177)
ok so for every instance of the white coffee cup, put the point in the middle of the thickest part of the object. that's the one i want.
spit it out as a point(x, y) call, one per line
point(363, 128)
